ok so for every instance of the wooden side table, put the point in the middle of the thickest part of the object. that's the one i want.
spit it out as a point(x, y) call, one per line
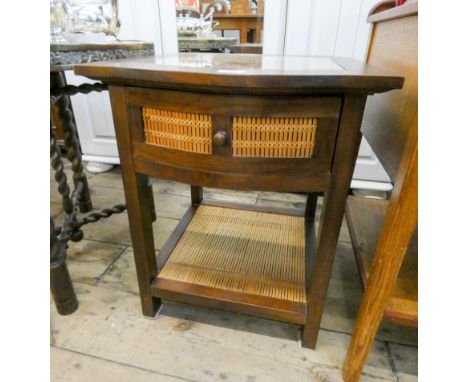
point(244, 122)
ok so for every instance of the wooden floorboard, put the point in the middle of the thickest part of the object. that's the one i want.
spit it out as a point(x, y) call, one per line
point(109, 339)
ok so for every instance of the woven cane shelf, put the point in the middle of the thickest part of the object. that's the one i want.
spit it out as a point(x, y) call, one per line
point(175, 130)
point(243, 251)
point(273, 137)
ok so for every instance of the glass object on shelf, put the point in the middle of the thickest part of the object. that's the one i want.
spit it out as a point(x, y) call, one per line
point(58, 20)
point(73, 20)
point(191, 22)
point(220, 25)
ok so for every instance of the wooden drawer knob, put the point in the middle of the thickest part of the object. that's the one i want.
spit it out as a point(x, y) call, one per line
point(220, 138)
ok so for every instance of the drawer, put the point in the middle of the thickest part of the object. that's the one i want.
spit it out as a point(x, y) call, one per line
point(264, 137)
point(235, 141)
point(270, 137)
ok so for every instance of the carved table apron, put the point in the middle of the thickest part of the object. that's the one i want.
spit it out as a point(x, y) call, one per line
point(243, 122)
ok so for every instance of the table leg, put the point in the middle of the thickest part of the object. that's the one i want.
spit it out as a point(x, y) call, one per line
point(60, 283)
point(151, 201)
point(310, 209)
point(138, 197)
point(60, 176)
point(244, 30)
point(196, 193)
point(348, 141)
point(258, 35)
point(311, 204)
point(399, 225)
point(70, 228)
point(72, 143)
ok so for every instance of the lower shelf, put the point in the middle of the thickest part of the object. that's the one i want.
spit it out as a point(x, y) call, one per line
point(247, 261)
point(365, 218)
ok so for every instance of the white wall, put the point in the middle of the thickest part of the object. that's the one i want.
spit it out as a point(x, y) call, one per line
point(144, 20)
point(326, 28)
point(292, 27)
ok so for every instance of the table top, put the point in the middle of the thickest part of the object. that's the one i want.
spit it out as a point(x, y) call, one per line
point(63, 56)
point(205, 43)
point(246, 48)
point(241, 15)
point(246, 73)
point(104, 45)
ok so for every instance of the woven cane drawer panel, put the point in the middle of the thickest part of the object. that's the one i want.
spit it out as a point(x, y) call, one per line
point(244, 251)
point(273, 137)
point(176, 130)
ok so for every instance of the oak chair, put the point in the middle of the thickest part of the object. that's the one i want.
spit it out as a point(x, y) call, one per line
point(384, 233)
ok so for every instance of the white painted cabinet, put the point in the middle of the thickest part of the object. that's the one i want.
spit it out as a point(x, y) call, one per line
point(291, 27)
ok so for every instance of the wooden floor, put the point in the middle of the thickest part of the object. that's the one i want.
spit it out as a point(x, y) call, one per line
point(108, 339)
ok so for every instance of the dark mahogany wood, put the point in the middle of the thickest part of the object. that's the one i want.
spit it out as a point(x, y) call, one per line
point(171, 243)
point(254, 207)
point(230, 301)
point(347, 146)
point(196, 194)
point(230, 104)
point(246, 48)
point(245, 74)
point(61, 285)
point(310, 236)
point(333, 91)
point(138, 205)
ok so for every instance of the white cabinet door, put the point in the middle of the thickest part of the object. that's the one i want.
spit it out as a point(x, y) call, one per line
point(93, 116)
point(328, 28)
point(140, 21)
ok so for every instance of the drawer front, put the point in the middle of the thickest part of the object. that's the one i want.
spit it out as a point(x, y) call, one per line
point(251, 136)
point(234, 141)
point(178, 130)
point(273, 137)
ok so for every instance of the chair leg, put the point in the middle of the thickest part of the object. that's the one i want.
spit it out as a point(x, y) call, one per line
point(398, 228)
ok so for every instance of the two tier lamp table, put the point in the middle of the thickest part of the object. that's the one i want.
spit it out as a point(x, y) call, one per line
point(241, 122)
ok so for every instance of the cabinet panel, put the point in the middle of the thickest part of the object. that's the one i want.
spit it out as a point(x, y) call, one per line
point(93, 117)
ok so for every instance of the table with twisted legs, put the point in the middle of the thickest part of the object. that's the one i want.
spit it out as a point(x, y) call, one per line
point(63, 57)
